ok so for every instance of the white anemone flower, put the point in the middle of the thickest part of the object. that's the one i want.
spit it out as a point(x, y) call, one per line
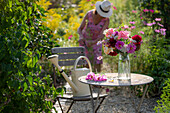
point(134, 41)
point(124, 48)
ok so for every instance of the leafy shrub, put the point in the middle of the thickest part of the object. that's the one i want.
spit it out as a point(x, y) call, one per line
point(164, 103)
point(23, 41)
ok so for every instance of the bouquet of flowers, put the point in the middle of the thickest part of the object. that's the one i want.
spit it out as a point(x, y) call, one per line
point(120, 42)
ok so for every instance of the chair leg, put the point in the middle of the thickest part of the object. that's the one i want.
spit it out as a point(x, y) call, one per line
point(60, 105)
point(70, 106)
point(99, 104)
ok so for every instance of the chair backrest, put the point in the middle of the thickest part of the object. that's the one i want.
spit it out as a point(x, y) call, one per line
point(68, 55)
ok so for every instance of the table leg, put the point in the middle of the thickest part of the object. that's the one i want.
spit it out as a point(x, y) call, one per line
point(96, 105)
point(146, 87)
point(92, 100)
point(139, 105)
point(132, 94)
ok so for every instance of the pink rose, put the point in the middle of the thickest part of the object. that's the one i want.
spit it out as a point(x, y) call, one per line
point(123, 34)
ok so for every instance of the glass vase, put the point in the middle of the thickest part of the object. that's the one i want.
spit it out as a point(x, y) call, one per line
point(124, 67)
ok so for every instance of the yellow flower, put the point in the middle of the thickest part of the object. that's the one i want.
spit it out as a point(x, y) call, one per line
point(44, 4)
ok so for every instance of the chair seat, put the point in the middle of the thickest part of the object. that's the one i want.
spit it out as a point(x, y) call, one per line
point(82, 98)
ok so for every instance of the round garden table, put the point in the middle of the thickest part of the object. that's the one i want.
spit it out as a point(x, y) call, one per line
point(112, 81)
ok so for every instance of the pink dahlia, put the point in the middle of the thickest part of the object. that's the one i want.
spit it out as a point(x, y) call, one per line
point(131, 48)
point(104, 78)
point(119, 44)
point(123, 34)
point(90, 76)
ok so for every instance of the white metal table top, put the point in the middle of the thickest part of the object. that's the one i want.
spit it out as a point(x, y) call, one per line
point(136, 79)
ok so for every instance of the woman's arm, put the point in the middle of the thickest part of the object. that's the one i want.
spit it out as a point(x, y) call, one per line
point(82, 25)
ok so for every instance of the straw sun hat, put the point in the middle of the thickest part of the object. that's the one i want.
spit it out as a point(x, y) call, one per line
point(104, 8)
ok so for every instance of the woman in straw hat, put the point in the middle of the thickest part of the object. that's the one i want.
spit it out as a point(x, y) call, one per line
point(91, 31)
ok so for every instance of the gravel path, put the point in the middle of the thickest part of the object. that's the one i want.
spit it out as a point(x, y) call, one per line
point(118, 101)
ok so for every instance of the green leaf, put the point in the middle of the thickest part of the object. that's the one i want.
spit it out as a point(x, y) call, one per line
point(10, 3)
point(30, 79)
point(32, 88)
point(25, 86)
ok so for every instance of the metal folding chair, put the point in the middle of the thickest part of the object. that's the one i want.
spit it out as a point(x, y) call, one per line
point(67, 57)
